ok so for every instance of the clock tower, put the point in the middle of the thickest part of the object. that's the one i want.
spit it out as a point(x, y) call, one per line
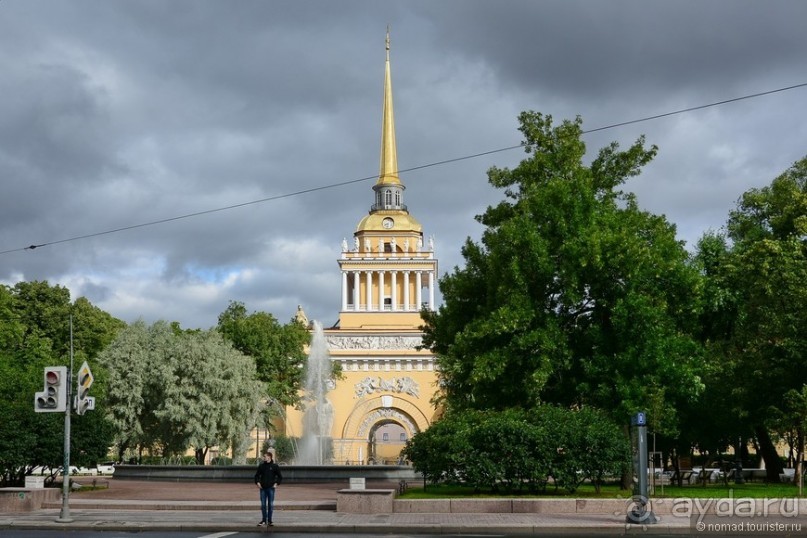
point(388, 271)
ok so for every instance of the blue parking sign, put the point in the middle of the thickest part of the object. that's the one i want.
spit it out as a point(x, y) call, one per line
point(639, 419)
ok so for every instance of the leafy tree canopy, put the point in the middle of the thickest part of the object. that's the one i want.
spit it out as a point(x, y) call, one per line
point(35, 333)
point(172, 390)
point(755, 315)
point(278, 350)
point(574, 295)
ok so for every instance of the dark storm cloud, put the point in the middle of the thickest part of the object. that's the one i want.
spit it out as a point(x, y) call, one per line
point(590, 49)
point(121, 113)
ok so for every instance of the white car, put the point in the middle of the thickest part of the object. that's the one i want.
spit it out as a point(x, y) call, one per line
point(73, 470)
point(107, 467)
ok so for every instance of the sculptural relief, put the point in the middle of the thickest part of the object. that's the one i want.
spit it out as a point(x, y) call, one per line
point(373, 342)
point(379, 414)
point(400, 385)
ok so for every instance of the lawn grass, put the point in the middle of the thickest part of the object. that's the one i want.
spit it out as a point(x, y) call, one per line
point(756, 490)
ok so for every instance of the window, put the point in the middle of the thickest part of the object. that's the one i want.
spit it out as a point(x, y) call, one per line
point(387, 197)
point(385, 437)
point(387, 247)
point(403, 437)
point(398, 198)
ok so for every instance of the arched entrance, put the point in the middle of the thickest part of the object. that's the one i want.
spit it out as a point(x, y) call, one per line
point(387, 439)
point(363, 440)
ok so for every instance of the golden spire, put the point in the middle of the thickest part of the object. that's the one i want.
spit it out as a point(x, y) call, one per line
point(389, 153)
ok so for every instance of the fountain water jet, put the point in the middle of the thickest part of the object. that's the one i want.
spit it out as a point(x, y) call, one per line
point(318, 418)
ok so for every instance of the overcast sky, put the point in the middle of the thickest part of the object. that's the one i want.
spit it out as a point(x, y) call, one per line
point(119, 113)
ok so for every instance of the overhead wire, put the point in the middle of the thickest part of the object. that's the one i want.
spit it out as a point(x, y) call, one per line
point(411, 169)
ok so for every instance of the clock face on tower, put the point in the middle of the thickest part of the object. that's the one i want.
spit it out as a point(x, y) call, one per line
point(387, 223)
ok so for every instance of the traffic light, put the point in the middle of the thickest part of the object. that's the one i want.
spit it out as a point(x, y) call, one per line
point(54, 398)
point(83, 381)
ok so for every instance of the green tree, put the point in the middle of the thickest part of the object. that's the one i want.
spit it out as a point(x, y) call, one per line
point(574, 295)
point(35, 333)
point(791, 421)
point(725, 422)
point(172, 390)
point(759, 284)
point(44, 312)
point(211, 398)
point(278, 350)
point(131, 404)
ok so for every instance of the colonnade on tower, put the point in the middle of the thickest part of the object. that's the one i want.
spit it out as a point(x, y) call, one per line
point(386, 279)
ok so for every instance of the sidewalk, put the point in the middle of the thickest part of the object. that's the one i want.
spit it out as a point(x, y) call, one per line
point(304, 508)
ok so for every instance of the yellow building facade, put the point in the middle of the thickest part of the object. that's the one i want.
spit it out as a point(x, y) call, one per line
point(388, 273)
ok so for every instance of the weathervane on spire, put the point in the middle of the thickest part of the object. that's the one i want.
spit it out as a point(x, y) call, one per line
point(387, 40)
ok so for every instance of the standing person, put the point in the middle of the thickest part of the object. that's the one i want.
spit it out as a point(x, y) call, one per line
point(267, 477)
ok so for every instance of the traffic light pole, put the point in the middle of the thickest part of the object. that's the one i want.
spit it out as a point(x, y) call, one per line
point(64, 516)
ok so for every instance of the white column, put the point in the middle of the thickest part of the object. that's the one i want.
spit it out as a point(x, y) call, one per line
point(369, 290)
point(344, 290)
point(381, 290)
point(356, 288)
point(418, 291)
point(394, 293)
point(406, 291)
point(431, 291)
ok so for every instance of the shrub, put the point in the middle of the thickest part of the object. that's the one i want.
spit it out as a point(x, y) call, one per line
point(284, 448)
point(437, 453)
point(514, 449)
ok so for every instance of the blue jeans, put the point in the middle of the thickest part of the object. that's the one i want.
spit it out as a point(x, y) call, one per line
point(267, 503)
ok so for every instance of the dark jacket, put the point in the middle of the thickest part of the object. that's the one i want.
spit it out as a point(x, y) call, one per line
point(268, 474)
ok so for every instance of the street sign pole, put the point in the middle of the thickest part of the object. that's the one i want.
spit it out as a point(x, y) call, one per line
point(64, 516)
point(640, 511)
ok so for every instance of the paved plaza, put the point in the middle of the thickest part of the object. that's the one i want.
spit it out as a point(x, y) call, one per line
point(128, 505)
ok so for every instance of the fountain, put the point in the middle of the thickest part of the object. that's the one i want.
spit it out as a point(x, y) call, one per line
point(318, 419)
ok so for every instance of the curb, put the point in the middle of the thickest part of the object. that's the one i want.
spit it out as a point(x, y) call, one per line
point(101, 504)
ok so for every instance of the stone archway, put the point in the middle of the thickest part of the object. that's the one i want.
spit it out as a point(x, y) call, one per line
point(365, 419)
point(385, 440)
point(408, 410)
point(376, 450)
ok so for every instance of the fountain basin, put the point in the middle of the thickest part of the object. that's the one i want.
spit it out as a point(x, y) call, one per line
point(245, 473)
